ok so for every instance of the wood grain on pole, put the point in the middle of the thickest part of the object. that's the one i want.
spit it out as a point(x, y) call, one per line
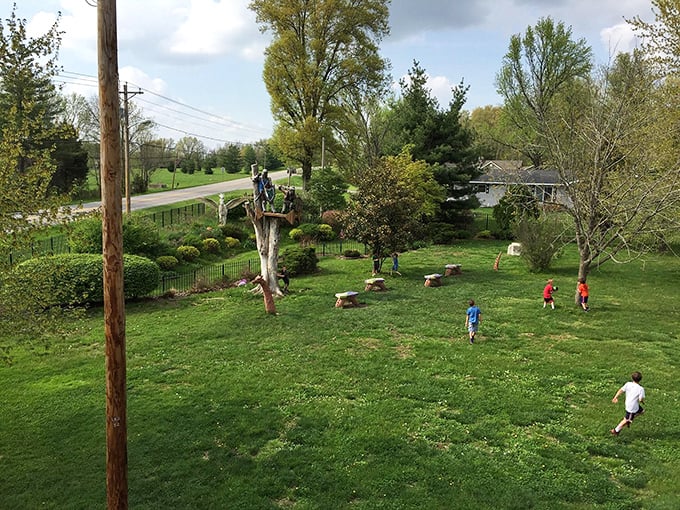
point(112, 252)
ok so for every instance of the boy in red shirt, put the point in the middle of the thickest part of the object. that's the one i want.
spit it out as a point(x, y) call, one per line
point(548, 294)
point(583, 292)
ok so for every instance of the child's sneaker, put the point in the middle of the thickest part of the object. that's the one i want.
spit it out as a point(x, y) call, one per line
point(613, 432)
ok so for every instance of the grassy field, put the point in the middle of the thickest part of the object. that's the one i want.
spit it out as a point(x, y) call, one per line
point(383, 406)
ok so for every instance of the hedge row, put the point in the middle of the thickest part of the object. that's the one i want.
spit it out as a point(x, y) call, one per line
point(74, 279)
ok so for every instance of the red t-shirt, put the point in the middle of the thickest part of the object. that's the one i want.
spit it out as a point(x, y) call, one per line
point(583, 289)
point(547, 291)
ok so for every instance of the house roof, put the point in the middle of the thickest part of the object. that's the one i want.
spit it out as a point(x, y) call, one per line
point(512, 172)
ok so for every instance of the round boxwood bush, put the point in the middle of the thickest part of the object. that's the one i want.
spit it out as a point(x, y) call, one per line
point(300, 260)
point(211, 245)
point(74, 279)
point(351, 254)
point(167, 262)
point(188, 253)
point(232, 243)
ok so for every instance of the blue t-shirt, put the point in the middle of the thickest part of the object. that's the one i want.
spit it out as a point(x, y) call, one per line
point(473, 314)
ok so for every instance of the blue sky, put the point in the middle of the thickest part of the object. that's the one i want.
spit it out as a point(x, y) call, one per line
point(200, 61)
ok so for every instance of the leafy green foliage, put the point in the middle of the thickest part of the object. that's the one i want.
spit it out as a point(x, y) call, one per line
point(391, 201)
point(539, 66)
point(75, 279)
point(188, 253)
point(211, 245)
point(541, 238)
point(311, 232)
point(232, 243)
point(326, 191)
point(331, 58)
point(167, 262)
point(141, 236)
point(517, 202)
point(300, 260)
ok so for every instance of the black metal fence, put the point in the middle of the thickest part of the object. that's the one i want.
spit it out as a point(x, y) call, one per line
point(59, 244)
point(208, 276)
point(205, 276)
point(169, 217)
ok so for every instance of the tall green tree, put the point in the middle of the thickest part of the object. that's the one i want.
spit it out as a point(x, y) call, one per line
point(29, 106)
point(392, 201)
point(437, 136)
point(538, 66)
point(660, 39)
point(614, 142)
point(71, 158)
point(320, 51)
point(230, 159)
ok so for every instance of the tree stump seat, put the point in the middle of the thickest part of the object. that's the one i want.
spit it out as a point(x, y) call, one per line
point(348, 298)
point(377, 284)
point(433, 280)
point(452, 269)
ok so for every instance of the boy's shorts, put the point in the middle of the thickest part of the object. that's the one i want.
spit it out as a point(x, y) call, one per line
point(548, 300)
point(631, 416)
point(473, 327)
point(584, 299)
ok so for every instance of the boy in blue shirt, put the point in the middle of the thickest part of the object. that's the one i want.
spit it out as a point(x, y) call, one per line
point(473, 317)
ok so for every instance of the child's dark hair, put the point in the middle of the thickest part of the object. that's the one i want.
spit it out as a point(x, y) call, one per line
point(471, 302)
point(636, 376)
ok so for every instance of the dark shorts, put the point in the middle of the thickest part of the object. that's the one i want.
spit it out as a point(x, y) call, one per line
point(631, 416)
point(584, 299)
point(548, 299)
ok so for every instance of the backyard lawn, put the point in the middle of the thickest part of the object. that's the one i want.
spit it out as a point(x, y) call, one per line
point(382, 406)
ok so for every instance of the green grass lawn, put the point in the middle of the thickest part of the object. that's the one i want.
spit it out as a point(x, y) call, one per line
point(383, 406)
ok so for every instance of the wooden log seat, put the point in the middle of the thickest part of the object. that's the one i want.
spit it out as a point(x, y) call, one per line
point(453, 269)
point(433, 280)
point(375, 284)
point(348, 298)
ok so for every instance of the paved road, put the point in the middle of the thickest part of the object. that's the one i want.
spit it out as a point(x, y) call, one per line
point(180, 195)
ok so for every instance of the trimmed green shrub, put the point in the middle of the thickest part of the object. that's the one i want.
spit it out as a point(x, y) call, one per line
point(484, 234)
point(232, 243)
point(351, 254)
point(211, 245)
point(299, 260)
point(167, 262)
point(325, 233)
point(141, 236)
point(296, 234)
point(188, 253)
point(441, 233)
point(75, 279)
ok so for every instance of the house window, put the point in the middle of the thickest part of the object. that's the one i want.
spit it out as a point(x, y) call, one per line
point(482, 188)
point(548, 193)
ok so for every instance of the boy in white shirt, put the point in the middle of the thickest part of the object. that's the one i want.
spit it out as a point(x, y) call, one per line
point(635, 395)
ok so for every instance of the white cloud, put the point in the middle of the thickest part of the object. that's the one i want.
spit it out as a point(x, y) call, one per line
point(140, 79)
point(216, 28)
point(619, 38)
point(439, 87)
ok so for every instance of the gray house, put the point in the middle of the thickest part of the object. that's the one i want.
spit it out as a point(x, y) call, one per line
point(497, 175)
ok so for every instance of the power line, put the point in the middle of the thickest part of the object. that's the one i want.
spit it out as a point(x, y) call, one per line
point(90, 80)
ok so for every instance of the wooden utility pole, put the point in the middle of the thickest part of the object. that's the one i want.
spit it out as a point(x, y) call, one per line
point(126, 142)
point(112, 240)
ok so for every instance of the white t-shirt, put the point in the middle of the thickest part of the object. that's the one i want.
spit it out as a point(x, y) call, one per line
point(634, 393)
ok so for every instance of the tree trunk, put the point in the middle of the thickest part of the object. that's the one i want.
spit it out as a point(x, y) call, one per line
point(306, 173)
point(267, 235)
